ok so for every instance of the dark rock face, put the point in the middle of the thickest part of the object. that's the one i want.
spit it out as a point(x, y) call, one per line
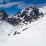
point(35, 9)
point(15, 33)
point(26, 14)
point(14, 21)
point(3, 15)
point(10, 20)
point(27, 18)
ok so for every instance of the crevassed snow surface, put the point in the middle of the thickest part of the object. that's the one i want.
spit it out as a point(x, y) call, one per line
point(35, 35)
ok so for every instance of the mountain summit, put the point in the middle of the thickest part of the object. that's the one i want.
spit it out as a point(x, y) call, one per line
point(26, 15)
point(29, 27)
point(3, 15)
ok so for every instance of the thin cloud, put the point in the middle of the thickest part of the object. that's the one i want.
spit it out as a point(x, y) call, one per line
point(22, 5)
point(34, 1)
point(19, 4)
point(40, 5)
point(1, 1)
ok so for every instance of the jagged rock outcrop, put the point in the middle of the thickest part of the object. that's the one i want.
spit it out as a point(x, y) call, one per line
point(14, 21)
point(26, 15)
point(3, 15)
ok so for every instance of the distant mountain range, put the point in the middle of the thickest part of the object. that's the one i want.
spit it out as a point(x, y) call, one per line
point(27, 15)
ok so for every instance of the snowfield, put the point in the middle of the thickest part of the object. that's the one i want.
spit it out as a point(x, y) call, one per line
point(34, 35)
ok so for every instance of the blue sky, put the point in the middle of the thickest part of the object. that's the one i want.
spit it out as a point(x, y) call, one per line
point(13, 6)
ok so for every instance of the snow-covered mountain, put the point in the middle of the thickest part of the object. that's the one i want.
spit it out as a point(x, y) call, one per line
point(30, 33)
point(25, 16)
point(3, 15)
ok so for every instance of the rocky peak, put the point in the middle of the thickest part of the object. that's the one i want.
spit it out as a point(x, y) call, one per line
point(3, 15)
point(26, 15)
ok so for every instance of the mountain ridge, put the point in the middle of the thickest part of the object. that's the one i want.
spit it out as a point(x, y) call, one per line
point(25, 16)
point(30, 34)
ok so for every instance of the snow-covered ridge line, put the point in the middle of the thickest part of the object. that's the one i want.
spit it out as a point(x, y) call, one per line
point(33, 34)
point(25, 26)
point(43, 9)
point(35, 22)
point(22, 17)
point(23, 34)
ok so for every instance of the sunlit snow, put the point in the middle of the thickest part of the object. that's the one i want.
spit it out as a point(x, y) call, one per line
point(35, 35)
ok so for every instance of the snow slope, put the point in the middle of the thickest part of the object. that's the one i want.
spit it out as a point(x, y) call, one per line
point(34, 35)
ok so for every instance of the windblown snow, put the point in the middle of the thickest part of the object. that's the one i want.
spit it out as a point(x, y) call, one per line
point(33, 35)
